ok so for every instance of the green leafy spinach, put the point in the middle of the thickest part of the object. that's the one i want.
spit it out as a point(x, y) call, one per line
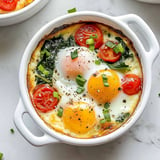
point(48, 54)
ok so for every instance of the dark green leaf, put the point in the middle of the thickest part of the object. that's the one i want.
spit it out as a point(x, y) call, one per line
point(122, 117)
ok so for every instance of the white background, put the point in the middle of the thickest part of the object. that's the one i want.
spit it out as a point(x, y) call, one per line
point(142, 142)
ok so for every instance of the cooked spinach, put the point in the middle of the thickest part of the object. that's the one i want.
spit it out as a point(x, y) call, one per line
point(122, 117)
point(126, 53)
point(48, 54)
point(119, 65)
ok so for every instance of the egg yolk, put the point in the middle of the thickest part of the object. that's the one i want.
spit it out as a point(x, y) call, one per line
point(79, 117)
point(99, 91)
point(72, 67)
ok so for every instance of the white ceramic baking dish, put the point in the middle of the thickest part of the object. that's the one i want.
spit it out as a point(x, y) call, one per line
point(146, 57)
point(22, 14)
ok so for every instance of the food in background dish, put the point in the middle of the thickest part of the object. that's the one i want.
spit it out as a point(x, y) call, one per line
point(85, 79)
point(7, 6)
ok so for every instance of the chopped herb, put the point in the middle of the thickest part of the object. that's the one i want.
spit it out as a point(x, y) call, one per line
point(118, 48)
point(60, 112)
point(12, 130)
point(105, 80)
point(122, 117)
point(107, 105)
point(103, 121)
point(94, 36)
point(119, 88)
point(159, 94)
point(72, 10)
point(92, 47)
point(90, 41)
point(1, 156)
point(97, 62)
point(43, 70)
point(74, 54)
point(80, 90)
point(110, 44)
point(80, 80)
point(56, 95)
point(44, 52)
point(106, 115)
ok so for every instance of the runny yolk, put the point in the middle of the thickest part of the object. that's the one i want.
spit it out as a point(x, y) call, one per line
point(73, 67)
point(98, 91)
point(79, 117)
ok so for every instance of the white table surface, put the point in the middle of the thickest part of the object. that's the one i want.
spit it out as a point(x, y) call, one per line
point(141, 142)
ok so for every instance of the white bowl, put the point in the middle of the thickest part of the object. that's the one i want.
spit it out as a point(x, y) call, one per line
point(22, 14)
point(146, 57)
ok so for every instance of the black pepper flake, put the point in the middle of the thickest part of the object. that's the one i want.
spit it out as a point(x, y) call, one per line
point(124, 100)
point(119, 89)
point(79, 119)
point(94, 74)
point(84, 95)
point(86, 126)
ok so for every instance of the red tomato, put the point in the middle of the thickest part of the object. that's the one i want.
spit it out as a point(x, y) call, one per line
point(84, 33)
point(107, 54)
point(8, 5)
point(131, 84)
point(43, 98)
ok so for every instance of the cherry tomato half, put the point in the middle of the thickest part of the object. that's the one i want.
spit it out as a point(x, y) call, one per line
point(43, 98)
point(8, 5)
point(84, 33)
point(108, 54)
point(131, 84)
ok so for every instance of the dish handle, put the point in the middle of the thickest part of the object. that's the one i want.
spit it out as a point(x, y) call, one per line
point(146, 32)
point(26, 133)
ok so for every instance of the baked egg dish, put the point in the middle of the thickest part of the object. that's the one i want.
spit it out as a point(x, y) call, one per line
point(85, 79)
point(7, 6)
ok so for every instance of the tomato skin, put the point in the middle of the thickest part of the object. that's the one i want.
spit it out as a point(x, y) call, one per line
point(84, 33)
point(8, 5)
point(107, 54)
point(43, 99)
point(131, 84)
